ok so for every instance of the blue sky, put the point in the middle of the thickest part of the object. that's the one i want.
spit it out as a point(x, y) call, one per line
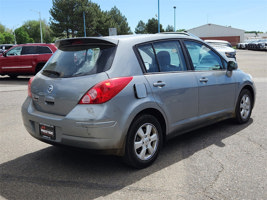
point(243, 14)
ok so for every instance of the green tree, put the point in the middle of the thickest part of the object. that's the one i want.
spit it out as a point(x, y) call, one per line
point(119, 21)
point(2, 38)
point(67, 17)
point(22, 36)
point(2, 28)
point(32, 27)
point(169, 28)
point(140, 28)
point(6, 38)
point(152, 26)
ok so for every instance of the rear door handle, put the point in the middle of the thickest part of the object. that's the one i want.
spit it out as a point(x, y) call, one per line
point(159, 84)
point(203, 80)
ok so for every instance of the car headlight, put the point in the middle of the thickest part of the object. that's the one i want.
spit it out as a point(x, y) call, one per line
point(230, 54)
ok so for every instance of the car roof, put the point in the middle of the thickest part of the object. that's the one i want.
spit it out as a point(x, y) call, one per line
point(35, 44)
point(130, 39)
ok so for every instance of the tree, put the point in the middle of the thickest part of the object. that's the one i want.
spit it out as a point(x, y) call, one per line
point(152, 26)
point(119, 21)
point(67, 19)
point(6, 38)
point(140, 28)
point(2, 28)
point(32, 27)
point(22, 36)
point(169, 28)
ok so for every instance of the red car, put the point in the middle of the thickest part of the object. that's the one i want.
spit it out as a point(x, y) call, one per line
point(25, 59)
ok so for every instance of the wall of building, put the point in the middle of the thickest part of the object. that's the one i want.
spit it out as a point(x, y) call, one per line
point(232, 39)
point(213, 31)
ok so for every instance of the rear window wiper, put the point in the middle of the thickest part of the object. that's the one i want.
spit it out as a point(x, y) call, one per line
point(47, 71)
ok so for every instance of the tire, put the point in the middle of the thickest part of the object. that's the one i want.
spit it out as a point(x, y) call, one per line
point(39, 67)
point(144, 141)
point(243, 107)
point(13, 76)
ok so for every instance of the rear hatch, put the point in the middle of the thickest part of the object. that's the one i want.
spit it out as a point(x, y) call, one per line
point(75, 67)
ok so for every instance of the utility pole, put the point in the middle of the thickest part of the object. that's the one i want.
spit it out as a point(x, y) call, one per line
point(158, 19)
point(41, 32)
point(174, 27)
point(84, 27)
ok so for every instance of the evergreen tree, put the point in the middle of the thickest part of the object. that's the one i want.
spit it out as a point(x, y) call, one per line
point(152, 26)
point(140, 28)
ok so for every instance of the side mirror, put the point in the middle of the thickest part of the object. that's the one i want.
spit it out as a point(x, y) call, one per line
point(4, 54)
point(231, 65)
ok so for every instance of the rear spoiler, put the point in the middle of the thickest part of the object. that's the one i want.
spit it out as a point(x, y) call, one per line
point(85, 41)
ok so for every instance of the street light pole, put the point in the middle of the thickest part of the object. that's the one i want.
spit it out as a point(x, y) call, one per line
point(174, 27)
point(84, 27)
point(41, 32)
point(158, 19)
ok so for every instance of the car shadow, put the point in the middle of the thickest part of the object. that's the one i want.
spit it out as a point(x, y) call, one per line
point(20, 80)
point(63, 173)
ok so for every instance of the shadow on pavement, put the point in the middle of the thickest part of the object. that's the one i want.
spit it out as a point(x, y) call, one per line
point(20, 80)
point(59, 173)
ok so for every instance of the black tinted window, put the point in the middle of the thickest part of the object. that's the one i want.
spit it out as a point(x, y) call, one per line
point(29, 50)
point(80, 61)
point(43, 50)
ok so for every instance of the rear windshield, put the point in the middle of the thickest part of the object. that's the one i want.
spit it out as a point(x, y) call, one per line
point(79, 61)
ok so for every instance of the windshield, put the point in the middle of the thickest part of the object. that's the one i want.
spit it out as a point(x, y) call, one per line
point(79, 61)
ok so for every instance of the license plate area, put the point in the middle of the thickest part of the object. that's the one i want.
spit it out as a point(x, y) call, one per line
point(47, 131)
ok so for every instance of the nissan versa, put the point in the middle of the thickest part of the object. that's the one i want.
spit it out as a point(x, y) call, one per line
point(126, 95)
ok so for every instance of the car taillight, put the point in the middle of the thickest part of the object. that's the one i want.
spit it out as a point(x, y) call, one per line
point(29, 86)
point(105, 90)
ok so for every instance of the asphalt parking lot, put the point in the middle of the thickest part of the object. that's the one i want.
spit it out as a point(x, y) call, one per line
point(222, 161)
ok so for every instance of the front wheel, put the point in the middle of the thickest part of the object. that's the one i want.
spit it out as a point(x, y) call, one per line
point(144, 141)
point(244, 106)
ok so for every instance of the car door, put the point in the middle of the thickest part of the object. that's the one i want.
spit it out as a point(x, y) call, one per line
point(9, 62)
point(28, 59)
point(173, 86)
point(216, 87)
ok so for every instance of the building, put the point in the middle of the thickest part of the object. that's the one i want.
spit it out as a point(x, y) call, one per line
point(218, 32)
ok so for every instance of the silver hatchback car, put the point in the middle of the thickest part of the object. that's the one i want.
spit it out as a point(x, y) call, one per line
point(126, 95)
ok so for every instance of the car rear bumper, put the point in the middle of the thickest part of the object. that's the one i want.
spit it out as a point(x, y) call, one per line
point(74, 129)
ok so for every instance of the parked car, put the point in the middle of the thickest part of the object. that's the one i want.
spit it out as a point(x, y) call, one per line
point(5, 47)
point(25, 59)
point(126, 95)
point(253, 44)
point(262, 44)
point(243, 45)
point(223, 47)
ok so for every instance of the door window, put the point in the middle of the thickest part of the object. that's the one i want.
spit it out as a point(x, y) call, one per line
point(147, 53)
point(162, 56)
point(16, 51)
point(43, 50)
point(169, 56)
point(203, 58)
point(27, 50)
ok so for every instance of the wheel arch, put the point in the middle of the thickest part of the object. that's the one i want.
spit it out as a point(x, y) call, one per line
point(158, 115)
point(251, 90)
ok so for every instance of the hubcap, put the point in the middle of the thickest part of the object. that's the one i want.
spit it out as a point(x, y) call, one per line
point(146, 141)
point(245, 106)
